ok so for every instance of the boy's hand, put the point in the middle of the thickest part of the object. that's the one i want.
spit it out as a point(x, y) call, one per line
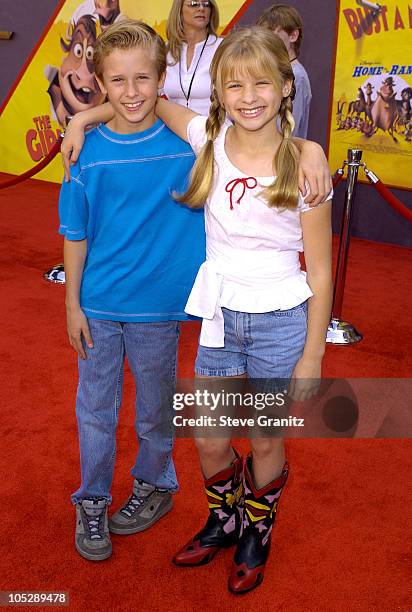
point(71, 146)
point(77, 326)
point(314, 168)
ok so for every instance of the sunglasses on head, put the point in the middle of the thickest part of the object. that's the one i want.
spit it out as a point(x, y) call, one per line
point(195, 4)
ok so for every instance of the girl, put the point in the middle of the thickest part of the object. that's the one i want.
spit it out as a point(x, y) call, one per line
point(262, 317)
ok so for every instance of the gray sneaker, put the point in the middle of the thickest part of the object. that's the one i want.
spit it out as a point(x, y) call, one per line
point(144, 507)
point(92, 533)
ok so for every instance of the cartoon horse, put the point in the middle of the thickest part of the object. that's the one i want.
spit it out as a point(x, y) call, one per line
point(404, 109)
point(358, 106)
point(339, 114)
point(369, 102)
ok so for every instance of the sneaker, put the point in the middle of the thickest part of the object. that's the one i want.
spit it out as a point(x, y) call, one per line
point(144, 507)
point(92, 533)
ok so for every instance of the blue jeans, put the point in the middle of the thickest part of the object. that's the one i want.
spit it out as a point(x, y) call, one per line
point(151, 350)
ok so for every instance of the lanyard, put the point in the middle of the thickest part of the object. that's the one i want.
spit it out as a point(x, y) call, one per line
point(187, 96)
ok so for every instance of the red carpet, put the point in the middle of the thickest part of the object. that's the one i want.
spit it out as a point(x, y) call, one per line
point(341, 540)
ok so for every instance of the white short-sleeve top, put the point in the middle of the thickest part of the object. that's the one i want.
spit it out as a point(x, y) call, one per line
point(199, 100)
point(252, 251)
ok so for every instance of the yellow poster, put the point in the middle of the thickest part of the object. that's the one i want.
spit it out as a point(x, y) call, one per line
point(372, 90)
point(60, 75)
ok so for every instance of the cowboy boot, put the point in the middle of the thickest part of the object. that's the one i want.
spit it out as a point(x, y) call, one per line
point(259, 515)
point(223, 492)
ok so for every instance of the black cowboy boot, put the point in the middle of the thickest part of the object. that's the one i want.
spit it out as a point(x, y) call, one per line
point(223, 491)
point(259, 515)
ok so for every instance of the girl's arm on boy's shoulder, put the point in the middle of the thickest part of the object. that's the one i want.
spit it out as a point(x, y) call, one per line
point(175, 116)
point(74, 134)
point(317, 244)
point(75, 252)
point(314, 168)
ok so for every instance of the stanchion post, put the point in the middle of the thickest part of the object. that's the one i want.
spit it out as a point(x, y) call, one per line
point(342, 332)
point(56, 274)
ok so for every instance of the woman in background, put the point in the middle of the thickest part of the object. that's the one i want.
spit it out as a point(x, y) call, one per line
point(192, 41)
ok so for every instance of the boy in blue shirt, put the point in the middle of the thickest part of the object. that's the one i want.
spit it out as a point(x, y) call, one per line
point(131, 256)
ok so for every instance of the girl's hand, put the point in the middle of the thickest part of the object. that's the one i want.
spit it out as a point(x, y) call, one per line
point(305, 380)
point(314, 168)
point(77, 326)
point(71, 146)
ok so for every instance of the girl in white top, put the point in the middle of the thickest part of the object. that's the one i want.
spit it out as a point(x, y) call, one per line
point(262, 316)
point(192, 41)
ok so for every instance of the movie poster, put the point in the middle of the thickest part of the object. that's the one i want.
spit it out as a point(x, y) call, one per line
point(60, 75)
point(372, 90)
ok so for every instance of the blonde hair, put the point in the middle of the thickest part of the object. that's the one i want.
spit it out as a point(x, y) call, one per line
point(174, 28)
point(258, 53)
point(286, 18)
point(129, 34)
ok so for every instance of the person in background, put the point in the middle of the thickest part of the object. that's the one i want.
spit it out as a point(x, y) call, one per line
point(192, 41)
point(285, 21)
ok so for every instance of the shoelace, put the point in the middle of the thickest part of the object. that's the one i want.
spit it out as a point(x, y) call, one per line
point(132, 505)
point(250, 182)
point(93, 523)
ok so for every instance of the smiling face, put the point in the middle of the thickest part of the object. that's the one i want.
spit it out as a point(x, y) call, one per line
point(195, 18)
point(131, 81)
point(76, 74)
point(252, 100)
point(251, 74)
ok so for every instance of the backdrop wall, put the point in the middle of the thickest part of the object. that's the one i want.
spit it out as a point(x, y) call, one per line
point(373, 218)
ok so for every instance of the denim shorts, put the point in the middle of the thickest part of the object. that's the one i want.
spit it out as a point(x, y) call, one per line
point(262, 345)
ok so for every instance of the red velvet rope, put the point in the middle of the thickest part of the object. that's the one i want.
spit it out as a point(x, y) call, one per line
point(337, 177)
point(50, 155)
point(392, 200)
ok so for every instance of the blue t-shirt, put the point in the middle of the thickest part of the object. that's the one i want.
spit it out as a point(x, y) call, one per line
point(143, 248)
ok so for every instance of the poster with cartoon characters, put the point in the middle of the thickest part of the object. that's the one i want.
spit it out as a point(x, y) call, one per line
point(59, 78)
point(372, 90)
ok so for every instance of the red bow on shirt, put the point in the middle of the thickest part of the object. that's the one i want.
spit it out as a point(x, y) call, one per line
point(250, 182)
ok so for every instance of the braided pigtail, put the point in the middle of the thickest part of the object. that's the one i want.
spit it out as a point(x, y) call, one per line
point(201, 178)
point(284, 192)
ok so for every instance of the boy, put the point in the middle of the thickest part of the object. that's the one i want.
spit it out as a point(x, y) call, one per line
point(285, 21)
point(131, 256)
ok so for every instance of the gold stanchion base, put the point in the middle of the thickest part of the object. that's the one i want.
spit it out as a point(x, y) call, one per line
point(342, 332)
point(56, 274)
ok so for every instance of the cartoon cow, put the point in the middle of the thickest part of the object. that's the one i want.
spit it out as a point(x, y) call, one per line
point(384, 110)
point(73, 87)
